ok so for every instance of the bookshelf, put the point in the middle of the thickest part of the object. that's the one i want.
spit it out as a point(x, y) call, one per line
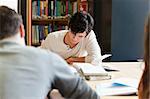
point(45, 16)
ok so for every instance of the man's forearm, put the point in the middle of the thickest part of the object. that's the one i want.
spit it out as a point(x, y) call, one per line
point(79, 59)
point(75, 59)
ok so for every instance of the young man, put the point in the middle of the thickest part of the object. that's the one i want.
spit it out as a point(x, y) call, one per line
point(30, 73)
point(78, 44)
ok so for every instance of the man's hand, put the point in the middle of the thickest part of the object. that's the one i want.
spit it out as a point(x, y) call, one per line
point(70, 60)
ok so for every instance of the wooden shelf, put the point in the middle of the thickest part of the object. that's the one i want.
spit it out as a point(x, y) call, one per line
point(58, 0)
point(70, 0)
point(37, 0)
point(36, 44)
point(50, 21)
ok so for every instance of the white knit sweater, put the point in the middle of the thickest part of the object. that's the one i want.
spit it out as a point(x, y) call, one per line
point(88, 47)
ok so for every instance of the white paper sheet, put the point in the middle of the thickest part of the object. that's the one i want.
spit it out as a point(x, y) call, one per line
point(121, 86)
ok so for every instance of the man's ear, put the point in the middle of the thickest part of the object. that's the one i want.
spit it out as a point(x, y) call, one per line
point(22, 31)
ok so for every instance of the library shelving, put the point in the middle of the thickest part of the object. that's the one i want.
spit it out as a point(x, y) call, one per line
point(45, 16)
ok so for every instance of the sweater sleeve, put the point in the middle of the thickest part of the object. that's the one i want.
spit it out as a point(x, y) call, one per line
point(93, 48)
point(46, 44)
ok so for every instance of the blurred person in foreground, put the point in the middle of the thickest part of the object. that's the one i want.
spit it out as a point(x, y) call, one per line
point(144, 86)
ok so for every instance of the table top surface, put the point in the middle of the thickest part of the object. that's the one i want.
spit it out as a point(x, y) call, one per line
point(126, 69)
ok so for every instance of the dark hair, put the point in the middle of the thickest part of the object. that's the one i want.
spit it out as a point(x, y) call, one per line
point(10, 22)
point(80, 22)
point(146, 52)
point(90, 22)
point(144, 86)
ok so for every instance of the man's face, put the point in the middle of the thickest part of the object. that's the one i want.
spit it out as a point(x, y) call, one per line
point(75, 39)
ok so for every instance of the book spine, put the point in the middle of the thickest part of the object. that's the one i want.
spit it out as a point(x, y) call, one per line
point(67, 7)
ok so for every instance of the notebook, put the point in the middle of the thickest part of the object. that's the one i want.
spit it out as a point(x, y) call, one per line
point(120, 86)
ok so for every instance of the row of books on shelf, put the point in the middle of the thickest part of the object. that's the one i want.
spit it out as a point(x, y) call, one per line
point(39, 32)
point(53, 8)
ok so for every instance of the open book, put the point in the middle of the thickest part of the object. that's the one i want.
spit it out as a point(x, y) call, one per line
point(120, 86)
point(91, 72)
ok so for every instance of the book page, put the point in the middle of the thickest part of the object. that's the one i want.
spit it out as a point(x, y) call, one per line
point(120, 86)
point(89, 69)
point(127, 81)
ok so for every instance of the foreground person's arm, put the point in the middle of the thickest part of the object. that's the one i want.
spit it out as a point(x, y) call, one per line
point(69, 85)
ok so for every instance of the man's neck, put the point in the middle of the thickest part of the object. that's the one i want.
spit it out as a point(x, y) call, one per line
point(67, 41)
point(16, 39)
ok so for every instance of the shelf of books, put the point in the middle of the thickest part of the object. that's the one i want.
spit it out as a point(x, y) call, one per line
point(46, 16)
